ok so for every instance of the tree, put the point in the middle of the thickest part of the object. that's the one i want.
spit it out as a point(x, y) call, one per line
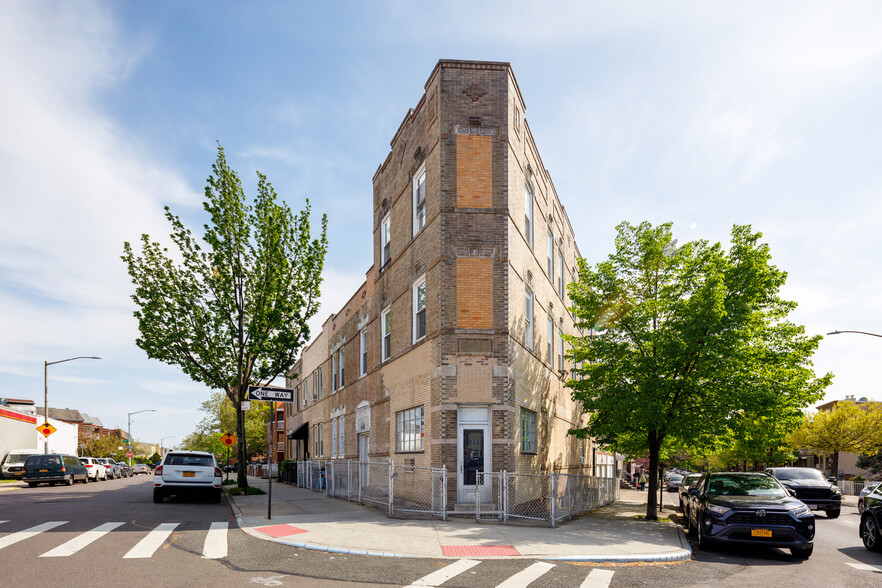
point(233, 311)
point(873, 463)
point(683, 343)
point(847, 427)
point(220, 417)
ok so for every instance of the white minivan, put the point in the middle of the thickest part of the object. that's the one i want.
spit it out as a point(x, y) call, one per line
point(187, 472)
point(13, 464)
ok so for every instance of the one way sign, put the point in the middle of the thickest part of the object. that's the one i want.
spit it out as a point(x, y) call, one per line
point(271, 394)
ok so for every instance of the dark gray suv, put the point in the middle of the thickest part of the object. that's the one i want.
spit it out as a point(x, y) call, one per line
point(810, 486)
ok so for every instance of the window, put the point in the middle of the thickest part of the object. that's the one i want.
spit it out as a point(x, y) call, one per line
point(317, 440)
point(419, 309)
point(363, 342)
point(550, 356)
point(419, 200)
point(560, 280)
point(303, 393)
point(316, 386)
point(386, 324)
point(333, 438)
point(320, 382)
point(528, 317)
point(560, 349)
point(550, 254)
point(341, 437)
point(386, 240)
point(410, 429)
point(314, 391)
point(333, 372)
point(528, 214)
point(528, 431)
point(340, 362)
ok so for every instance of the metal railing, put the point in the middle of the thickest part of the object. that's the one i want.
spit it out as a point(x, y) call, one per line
point(410, 491)
point(851, 487)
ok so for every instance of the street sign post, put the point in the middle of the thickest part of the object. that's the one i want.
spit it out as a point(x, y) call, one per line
point(270, 394)
point(229, 440)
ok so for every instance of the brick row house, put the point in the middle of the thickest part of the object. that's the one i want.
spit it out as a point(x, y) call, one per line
point(451, 351)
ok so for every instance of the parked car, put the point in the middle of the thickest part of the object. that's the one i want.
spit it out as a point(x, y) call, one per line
point(54, 467)
point(13, 463)
point(749, 509)
point(126, 469)
point(187, 472)
point(94, 468)
point(871, 519)
point(113, 469)
point(140, 468)
point(685, 484)
point(864, 491)
point(810, 486)
point(673, 482)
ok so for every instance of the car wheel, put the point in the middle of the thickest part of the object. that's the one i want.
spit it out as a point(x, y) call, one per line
point(85, 480)
point(832, 514)
point(32, 484)
point(703, 543)
point(802, 552)
point(69, 481)
point(860, 506)
point(870, 534)
point(216, 496)
point(158, 495)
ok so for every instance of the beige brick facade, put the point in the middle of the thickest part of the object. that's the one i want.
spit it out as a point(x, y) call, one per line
point(461, 256)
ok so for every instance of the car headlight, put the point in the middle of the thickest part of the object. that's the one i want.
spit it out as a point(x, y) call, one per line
point(801, 511)
point(836, 489)
point(718, 509)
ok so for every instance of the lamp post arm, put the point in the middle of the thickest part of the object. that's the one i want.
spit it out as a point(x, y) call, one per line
point(46, 365)
point(858, 332)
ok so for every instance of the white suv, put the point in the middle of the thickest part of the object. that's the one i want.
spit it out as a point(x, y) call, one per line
point(187, 472)
point(95, 469)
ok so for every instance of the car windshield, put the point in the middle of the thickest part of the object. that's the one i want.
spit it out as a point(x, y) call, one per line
point(190, 460)
point(690, 479)
point(39, 461)
point(675, 477)
point(800, 474)
point(17, 457)
point(744, 486)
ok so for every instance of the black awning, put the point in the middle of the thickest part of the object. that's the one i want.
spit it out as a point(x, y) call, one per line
point(301, 432)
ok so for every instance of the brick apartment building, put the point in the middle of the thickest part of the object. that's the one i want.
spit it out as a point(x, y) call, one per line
point(451, 351)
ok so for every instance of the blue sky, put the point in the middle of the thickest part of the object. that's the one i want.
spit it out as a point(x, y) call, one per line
point(703, 114)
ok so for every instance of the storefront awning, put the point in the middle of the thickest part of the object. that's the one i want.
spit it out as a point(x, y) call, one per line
point(301, 432)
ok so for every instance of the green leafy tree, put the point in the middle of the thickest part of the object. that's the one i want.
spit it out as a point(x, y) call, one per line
point(233, 311)
point(873, 462)
point(683, 342)
point(847, 427)
point(220, 417)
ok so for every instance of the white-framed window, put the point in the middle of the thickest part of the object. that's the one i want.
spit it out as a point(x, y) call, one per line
point(550, 254)
point(386, 239)
point(316, 387)
point(303, 394)
point(317, 440)
point(341, 363)
point(419, 200)
point(528, 431)
point(306, 389)
point(419, 309)
point(363, 365)
point(560, 349)
point(528, 214)
point(528, 318)
point(560, 273)
point(386, 324)
point(320, 387)
point(410, 429)
point(341, 436)
point(550, 356)
point(333, 373)
point(333, 438)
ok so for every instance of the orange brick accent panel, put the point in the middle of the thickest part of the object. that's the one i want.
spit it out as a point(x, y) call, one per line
point(474, 171)
point(474, 293)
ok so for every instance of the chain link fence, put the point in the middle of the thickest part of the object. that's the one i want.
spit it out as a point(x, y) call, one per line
point(413, 491)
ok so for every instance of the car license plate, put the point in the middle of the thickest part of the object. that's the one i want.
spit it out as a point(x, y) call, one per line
point(44, 471)
point(760, 532)
point(189, 474)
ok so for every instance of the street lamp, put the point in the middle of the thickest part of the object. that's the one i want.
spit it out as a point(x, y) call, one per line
point(46, 365)
point(160, 443)
point(858, 332)
point(130, 430)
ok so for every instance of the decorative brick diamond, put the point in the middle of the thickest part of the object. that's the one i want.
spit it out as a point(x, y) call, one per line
point(474, 92)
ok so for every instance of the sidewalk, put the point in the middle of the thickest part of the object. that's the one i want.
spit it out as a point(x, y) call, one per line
point(309, 520)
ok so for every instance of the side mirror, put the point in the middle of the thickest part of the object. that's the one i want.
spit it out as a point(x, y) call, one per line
point(832, 480)
point(693, 492)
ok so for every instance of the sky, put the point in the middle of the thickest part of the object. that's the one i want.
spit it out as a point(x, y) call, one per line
point(702, 114)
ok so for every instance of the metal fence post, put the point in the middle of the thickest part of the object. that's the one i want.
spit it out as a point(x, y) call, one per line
point(391, 490)
point(553, 483)
point(504, 497)
point(570, 488)
point(444, 492)
point(479, 477)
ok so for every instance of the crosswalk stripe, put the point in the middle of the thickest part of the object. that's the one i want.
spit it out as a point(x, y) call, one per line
point(439, 577)
point(28, 533)
point(215, 546)
point(149, 544)
point(866, 567)
point(598, 579)
point(528, 575)
point(81, 540)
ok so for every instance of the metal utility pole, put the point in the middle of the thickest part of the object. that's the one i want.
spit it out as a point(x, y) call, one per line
point(46, 365)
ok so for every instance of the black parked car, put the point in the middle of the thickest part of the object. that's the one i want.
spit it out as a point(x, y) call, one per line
point(749, 508)
point(871, 519)
point(685, 484)
point(810, 486)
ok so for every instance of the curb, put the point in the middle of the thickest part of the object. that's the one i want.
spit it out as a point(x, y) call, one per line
point(681, 555)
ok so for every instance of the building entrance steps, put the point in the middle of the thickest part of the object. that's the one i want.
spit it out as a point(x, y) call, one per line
point(309, 520)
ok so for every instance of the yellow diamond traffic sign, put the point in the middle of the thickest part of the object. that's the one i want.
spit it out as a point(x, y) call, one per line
point(46, 429)
point(228, 439)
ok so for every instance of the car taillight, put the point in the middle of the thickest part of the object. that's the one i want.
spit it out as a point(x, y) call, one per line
point(217, 473)
point(158, 471)
point(63, 470)
point(88, 465)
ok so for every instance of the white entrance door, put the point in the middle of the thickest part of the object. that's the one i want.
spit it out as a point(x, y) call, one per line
point(364, 474)
point(474, 443)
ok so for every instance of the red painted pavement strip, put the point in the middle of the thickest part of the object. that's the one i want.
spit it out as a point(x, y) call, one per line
point(478, 550)
point(280, 530)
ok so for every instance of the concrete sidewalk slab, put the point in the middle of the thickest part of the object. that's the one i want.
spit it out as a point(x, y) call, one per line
point(306, 519)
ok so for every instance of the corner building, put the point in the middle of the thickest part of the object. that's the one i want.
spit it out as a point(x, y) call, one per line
point(451, 352)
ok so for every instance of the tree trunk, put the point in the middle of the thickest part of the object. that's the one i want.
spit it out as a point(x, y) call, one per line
point(654, 445)
point(242, 466)
point(835, 466)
